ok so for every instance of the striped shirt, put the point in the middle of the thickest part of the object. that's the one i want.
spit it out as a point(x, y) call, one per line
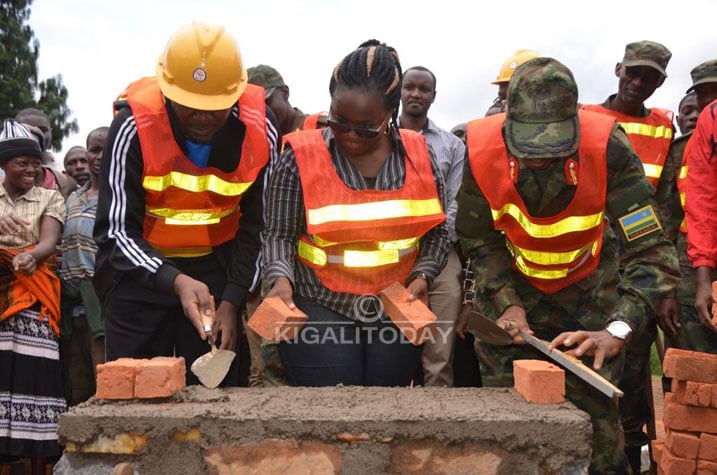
point(78, 245)
point(286, 220)
point(450, 153)
point(33, 205)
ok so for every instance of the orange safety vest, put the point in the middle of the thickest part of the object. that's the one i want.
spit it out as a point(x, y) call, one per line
point(554, 252)
point(312, 121)
point(650, 137)
point(682, 180)
point(362, 241)
point(190, 209)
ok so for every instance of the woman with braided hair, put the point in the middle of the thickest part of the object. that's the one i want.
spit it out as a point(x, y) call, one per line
point(352, 209)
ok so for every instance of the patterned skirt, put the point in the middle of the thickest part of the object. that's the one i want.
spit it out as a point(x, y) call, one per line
point(31, 391)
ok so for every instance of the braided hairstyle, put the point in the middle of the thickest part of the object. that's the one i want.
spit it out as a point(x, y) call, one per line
point(373, 67)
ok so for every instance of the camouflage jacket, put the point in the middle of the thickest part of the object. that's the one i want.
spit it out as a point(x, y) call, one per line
point(650, 262)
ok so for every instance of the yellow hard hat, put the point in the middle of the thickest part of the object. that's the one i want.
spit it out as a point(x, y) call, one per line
point(201, 68)
point(515, 60)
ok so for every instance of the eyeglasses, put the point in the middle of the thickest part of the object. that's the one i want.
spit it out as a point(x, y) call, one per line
point(363, 132)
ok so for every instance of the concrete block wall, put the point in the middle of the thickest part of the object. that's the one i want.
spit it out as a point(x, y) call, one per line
point(326, 430)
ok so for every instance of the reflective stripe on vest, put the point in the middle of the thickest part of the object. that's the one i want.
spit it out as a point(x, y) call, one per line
point(653, 131)
point(652, 171)
point(551, 252)
point(374, 211)
point(194, 184)
point(191, 217)
point(566, 225)
point(352, 258)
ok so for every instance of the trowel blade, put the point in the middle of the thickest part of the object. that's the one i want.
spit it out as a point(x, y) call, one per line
point(212, 367)
point(487, 331)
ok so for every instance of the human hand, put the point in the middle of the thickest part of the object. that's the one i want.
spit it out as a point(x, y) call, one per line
point(462, 326)
point(282, 288)
point(225, 324)
point(418, 289)
point(196, 301)
point(703, 296)
point(598, 344)
point(13, 224)
point(24, 263)
point(668, 317)
point(514, 320)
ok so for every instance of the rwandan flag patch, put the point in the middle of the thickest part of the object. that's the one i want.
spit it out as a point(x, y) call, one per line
point(639, 223)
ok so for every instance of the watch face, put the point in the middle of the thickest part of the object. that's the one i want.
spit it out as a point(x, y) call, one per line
point(619, 330)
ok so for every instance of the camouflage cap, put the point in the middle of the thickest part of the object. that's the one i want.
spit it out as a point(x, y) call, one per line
point(266, 77)
point(647, 53)
point(703, 73)
point(542, 111)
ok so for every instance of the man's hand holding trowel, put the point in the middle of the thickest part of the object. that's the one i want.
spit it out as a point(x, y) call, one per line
point(198, 305)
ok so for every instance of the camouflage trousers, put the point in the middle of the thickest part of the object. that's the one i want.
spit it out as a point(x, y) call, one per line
point(548, 321)
point(692, 335)
point(636, 408)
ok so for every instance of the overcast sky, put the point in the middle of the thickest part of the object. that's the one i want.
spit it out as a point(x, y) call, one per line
point(100, 46)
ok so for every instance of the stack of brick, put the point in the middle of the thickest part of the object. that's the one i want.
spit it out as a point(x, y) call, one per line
point(129, 378)
point(690, 415)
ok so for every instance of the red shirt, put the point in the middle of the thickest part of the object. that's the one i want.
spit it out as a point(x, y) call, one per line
point(701, 199)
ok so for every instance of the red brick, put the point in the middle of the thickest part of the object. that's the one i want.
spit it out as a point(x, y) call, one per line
point(698, 394)
point(414, 319)
point(539, 381)
point(690, 365)
point(714, 393)
point(708, 447)
point(669, 397)
point(273, 320)
point(706, 467)
point(690, 418)
point(160, 377)
point(682, 444)
point(658, 446)
point(714, 307)
point(673, 465)
point(115, 379)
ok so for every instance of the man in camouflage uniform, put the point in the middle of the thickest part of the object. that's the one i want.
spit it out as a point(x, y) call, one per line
point(533, 273)
point(686, 330)
point(277, 97)
point(641, 72)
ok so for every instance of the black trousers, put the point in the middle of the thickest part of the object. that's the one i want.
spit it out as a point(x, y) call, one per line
point(141, 323)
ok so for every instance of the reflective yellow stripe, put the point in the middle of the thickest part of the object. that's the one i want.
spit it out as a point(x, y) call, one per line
point(683, 172)
point(564, 226)
point(184, 252)
point(190, 217)
point(350, 258)
point(539, 273)
point(683, 198)
point(370, 258)
point(374, 211)
point(551, 258)
point(657, 132)
point(398, 244)
point(312, 254)
point(651, 170)
point(194, 183)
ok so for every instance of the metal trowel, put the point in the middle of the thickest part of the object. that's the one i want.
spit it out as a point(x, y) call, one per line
point(212, 367)
point(489, 332)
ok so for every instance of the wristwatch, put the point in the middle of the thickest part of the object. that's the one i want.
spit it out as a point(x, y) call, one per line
point(417, 275)
point(619, 329)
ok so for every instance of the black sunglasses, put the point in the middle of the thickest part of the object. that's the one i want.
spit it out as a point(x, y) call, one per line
point(363, 132)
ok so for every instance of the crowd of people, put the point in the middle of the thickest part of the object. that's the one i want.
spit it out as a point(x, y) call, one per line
point(209, 191)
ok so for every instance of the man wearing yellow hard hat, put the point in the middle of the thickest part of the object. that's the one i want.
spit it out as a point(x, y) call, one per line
point(179, 214)
point(506, 71)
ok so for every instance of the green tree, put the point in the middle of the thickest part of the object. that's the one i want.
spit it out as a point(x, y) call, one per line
point(19, 87)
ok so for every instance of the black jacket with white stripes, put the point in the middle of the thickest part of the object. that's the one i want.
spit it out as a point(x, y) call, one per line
point(121, 209)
